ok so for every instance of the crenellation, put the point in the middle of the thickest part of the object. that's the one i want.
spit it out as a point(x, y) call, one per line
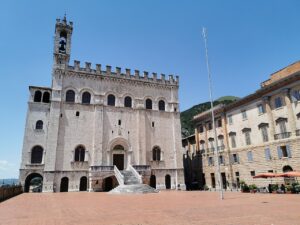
point(137, 74)
point(98, 68)
point(177, 79)
point(108, 70)
point(154, 75)
point(118, 71)
point(163, 77)
point(171, 78)
point(77, 65)
point(87, 66)
point(146, 75)
point(128, 73)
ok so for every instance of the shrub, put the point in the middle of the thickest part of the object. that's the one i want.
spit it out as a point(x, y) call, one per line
point(244, 187)
point(252, 187)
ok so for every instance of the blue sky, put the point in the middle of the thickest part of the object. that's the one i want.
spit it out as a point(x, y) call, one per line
point(247, 41)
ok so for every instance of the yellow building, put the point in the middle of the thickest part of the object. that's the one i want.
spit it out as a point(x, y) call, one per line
point(256, 134)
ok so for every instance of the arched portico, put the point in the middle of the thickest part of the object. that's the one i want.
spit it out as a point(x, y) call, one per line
point(35, 180)
point(119, 154)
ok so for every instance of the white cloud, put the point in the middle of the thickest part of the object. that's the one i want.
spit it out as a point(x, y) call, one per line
point(5, 165)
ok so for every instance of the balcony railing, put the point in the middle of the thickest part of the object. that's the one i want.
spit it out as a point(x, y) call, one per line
point(298, 132)
point(221, 148)
point(211, 149)
point(282, 135)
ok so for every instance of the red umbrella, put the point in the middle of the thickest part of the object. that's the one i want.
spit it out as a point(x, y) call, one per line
point(291, 174)
point(267, 175)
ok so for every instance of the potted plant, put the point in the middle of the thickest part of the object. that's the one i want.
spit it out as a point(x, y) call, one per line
point(288, 189)
point(274, 188)
point(253, 188)
point(244, 187)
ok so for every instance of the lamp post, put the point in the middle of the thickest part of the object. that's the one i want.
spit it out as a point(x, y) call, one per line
point(213, 116)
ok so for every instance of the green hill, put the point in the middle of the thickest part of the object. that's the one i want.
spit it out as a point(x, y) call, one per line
point(187, 126)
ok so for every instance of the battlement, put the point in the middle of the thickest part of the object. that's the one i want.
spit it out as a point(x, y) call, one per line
point(64, 22)
point(117, 73)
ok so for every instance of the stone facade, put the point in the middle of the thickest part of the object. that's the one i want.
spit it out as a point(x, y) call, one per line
point(97, 118)
point(256, 134)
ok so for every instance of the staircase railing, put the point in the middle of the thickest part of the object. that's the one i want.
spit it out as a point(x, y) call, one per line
point(119, 176)
point(136, 174)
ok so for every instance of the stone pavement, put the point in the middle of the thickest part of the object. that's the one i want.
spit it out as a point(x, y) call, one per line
point(166, 207)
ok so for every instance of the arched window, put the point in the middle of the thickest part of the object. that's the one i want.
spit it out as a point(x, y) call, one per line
point(148, 103)
point(79, 154)
point(37, 154)
point(86, 98)
point(37, 96)
point(70, 96)
point(156, 154)
point(119, 147)
point(46, 97)
point(62, 42)
point(111, 100)
point(161, 105)
point(39, 125)
point(128, 102)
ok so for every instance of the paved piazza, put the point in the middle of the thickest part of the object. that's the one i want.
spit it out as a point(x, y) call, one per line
point(167, 207)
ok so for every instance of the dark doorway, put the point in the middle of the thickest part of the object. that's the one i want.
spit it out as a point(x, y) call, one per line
point(213, 180)
point(83, 184)
point(168, 181)
point(118, 161)
point(153, 181)
point(64, 184)
point(288, 180)
point(107, 184)
point(35, 180)
point(224, 181)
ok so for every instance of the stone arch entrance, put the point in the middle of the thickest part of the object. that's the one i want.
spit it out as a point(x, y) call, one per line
point(64, 184)
point(168, 181)
point(33, 182)
point(120, 156)
point(83, 184)
point(109, 183)
point(153, 181)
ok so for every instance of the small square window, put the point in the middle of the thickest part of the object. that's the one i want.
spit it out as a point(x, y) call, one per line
point(230, 121)
point(278, 102)
point(152, 124)
point(252, 173)
point(261, 109)
point(244, 115)
point(77, 113)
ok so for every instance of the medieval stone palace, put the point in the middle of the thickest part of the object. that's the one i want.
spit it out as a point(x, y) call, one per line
point(91, 122)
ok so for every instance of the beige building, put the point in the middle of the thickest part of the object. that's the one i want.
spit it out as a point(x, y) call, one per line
point(92, 121)
point(256, 134)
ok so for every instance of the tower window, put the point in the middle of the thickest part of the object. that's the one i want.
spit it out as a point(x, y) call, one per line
point(128, 102)
point(62, 42)
point(86, 98)
point(119, 122)
point(37, 96)
point(148, 103)
point(111, 100)
point(37, 154)
point(161, 105)
point(156, 154)
point(152, 124)
point(46, 97)
point(70, 96)
point(79, 154)
point(77, 113)
point(39, 125)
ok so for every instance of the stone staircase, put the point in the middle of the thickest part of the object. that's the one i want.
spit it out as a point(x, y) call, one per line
point(131, 183)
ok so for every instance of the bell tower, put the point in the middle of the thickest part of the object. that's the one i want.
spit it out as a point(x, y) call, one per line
point(62, 42)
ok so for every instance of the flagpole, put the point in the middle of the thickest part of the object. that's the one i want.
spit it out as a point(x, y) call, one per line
point(216, 150)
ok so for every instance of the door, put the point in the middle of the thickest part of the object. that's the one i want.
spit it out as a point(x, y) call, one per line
point(224, 181)
point(118, 161)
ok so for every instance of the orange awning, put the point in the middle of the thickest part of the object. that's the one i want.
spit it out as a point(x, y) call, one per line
point(268, 175)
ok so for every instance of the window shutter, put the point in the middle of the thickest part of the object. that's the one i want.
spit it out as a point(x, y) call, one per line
point(267, 154)
point(289, 151)
point(231, 159)
point(279, 151)
point(237, 157)
point(294, 96)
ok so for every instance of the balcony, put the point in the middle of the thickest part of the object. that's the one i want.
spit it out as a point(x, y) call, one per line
point(221, 148)
point(282, 135)
point(298, 132)
point(210, 149)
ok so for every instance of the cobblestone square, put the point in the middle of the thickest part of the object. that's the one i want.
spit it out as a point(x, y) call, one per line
point(166, 207)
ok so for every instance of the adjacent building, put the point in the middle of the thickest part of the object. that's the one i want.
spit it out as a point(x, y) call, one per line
point(256, 134)
point(91, 120)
